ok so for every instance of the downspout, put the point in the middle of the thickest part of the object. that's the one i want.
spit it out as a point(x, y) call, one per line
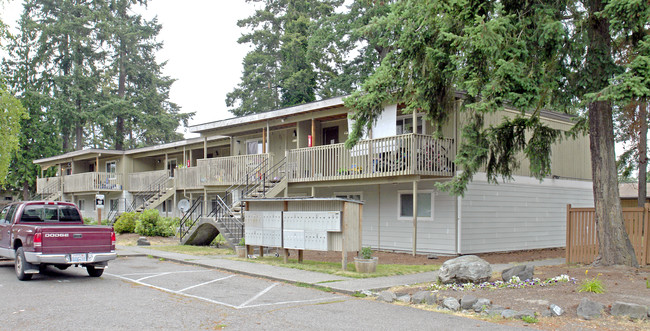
point(459, 218)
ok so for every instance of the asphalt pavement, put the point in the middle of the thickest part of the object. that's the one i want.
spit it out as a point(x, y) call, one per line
point(337, 283)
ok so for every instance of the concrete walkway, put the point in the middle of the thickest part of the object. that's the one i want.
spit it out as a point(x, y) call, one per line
point(336, 283)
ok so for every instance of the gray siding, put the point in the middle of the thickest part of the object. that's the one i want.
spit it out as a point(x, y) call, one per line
point(382, 229)
point(520, 215)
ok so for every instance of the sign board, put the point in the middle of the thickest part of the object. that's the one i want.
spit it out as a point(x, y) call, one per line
point(99, 201)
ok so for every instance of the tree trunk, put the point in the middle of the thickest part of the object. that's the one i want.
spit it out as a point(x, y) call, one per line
point(613, 242)
point(643, 153)
point(121, 90)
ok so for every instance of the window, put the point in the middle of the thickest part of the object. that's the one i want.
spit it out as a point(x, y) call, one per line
point(113, 204)
point(405, 205)
point(3, 214)
point(81, 204)
point(405, 125)
point(111, 169)
point(349, 195)
point(254, 147)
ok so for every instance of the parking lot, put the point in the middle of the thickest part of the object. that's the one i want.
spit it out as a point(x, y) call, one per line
point(214, 286)
point(147, 293)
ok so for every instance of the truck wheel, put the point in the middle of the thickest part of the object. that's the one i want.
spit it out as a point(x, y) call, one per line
point(20, 265)
point(94, 272)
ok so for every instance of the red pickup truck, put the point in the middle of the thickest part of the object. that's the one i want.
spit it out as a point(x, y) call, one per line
point(41, 233)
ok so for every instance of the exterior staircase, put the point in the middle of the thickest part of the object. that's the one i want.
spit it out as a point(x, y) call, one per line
point(51, 192)
point(159, 191)
point(227, 215)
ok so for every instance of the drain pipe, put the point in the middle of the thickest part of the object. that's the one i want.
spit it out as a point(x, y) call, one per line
point(459, 218)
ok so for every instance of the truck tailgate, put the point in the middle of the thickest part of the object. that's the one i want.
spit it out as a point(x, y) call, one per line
point(71, 239)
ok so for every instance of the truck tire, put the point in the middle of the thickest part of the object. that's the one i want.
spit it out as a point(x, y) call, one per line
point(94, 272)
point(20, 265)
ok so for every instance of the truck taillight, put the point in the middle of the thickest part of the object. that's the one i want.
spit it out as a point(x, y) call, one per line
point(112, 240)
point(38, 240)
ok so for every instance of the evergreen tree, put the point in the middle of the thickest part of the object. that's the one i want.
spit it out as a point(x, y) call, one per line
point(530, 55)
point(278, 71)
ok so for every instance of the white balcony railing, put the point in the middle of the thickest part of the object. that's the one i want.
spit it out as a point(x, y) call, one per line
point(92, 181)
point(221, 171)
point(410, 154)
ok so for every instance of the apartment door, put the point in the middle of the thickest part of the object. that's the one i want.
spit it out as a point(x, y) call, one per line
point(171, 166)
point(331, 135)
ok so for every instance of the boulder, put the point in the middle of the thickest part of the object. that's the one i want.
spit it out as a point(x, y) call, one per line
point(524, 272)
point(467, 302)
point(482, 304)
point(404, 298)
point(494, 311)
point(555, 310)
point(386, 296)
point(527, 312)
point(590, 310)
point(422, 297)
point(451, 304)
point(631, 310)
point(465, 269)
point(142, 241)
point(509, 313)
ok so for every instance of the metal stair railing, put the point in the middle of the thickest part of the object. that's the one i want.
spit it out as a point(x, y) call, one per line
point(259, 180)
point(151, 191)
point(224, 215)
point(190, 218)
point(114, 213)
point(49, 190)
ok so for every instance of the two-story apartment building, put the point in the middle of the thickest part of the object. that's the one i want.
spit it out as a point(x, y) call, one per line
point(299, 151)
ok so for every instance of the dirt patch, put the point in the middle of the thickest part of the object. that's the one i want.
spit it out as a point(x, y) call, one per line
point(621, 284)
point(131, 239)
point(404, 258)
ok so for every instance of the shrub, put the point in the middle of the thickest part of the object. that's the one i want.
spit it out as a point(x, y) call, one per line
point(89, 221)
point(125, 223)
point(593, 285)
point(166, 226)
point(147, 223)
point(218, 240)
point(366, 252)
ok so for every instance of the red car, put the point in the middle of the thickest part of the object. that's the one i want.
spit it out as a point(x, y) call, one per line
point(41, 233)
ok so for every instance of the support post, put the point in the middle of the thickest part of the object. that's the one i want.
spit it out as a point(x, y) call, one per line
point(415, 215)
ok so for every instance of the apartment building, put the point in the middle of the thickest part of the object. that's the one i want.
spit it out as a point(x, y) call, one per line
point(299, 151)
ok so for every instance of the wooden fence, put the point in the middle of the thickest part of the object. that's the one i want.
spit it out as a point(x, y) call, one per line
point(582, 241)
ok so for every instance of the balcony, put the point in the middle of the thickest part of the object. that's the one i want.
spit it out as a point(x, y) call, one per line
point(410, 154)
point(92, 181)
point(141, 181)
point(221, 171)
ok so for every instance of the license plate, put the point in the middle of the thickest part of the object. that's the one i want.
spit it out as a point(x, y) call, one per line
point(75, 258)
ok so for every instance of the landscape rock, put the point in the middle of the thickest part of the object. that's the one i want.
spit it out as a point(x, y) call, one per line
point(404, 298)
point(555, 310)
point(631, 310)
point(386, 296)
point(589, 310)
point(427, 297)
point(494, 310)
point(482, 304)
point(524, 272)
point(527, 312)
point(465, 269)
point(509, 313)
point(547, 313)
point(142, 241)
point(432, 257)
point(467, 302)
point(451, 304)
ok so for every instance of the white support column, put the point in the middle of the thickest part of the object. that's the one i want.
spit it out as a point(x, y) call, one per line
point(415, 215)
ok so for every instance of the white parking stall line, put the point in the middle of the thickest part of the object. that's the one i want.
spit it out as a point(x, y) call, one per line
point(258, 295)
point(173, 292)
point(171, 273)
point(206, 283)
point(294, 301)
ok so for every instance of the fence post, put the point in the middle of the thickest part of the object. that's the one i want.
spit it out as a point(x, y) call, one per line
point(645, 229)
point(568, 233)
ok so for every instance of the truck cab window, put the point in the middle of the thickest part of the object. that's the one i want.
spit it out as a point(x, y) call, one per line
point(3, 214)
point(69, 214)
point(32, 213)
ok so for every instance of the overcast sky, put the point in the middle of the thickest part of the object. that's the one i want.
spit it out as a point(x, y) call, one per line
point(200, 47)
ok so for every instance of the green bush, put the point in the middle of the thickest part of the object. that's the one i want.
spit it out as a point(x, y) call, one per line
point(147, 223)
point(125, 223)
point(150, 223)
point(218, 240)
point(89, 221)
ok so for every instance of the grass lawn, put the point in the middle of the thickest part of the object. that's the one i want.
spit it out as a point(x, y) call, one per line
point(194, 250)
point(334, 268)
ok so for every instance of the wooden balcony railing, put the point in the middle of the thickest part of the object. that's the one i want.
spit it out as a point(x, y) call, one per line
point(92, 181)
point(221, 171)
point(410, 154)
point(140, 181)
point(48, 185)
